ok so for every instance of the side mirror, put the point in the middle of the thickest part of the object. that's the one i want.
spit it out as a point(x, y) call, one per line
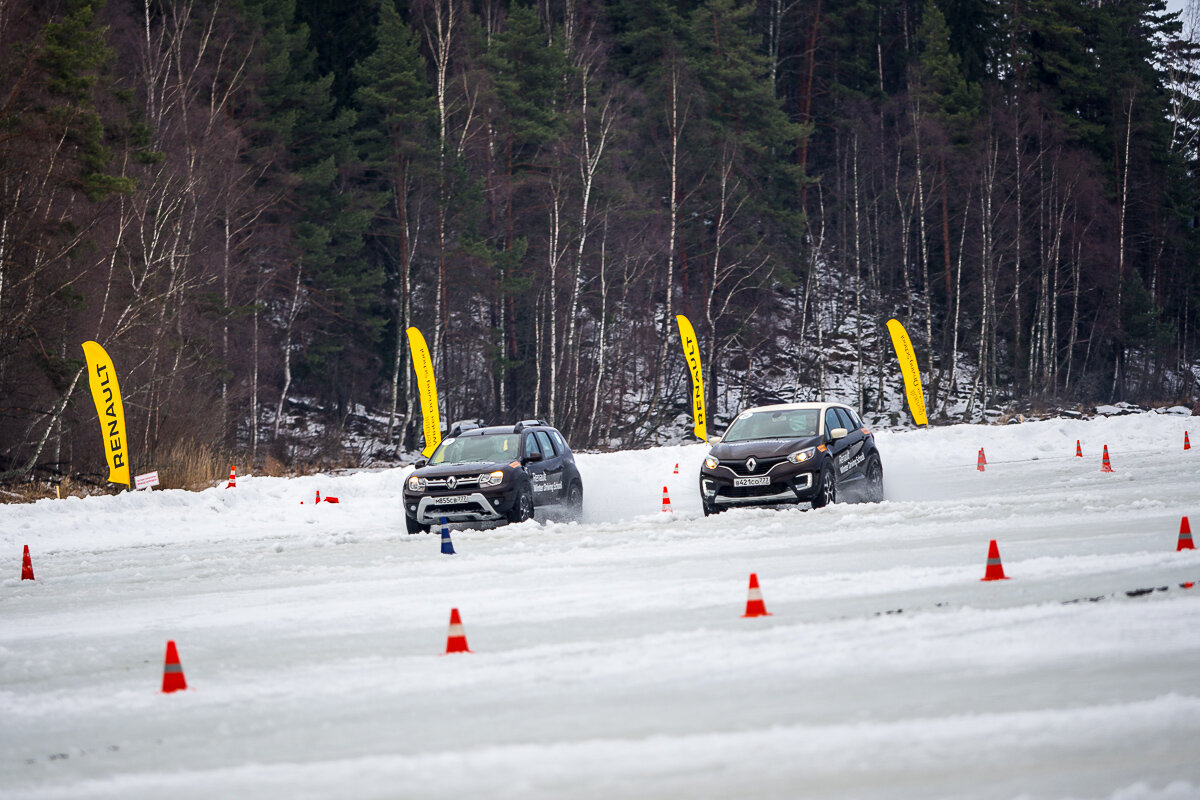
point(532, 457)
point(714, 440)
point(420, 462)
point(838, 433)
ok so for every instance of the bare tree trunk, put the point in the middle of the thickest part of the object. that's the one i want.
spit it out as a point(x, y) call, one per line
point(287, 353)
point(439, 35)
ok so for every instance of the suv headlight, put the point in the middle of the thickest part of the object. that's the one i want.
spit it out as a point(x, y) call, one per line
point(416, 484)
point(710, 462)
point(800, 456)
point(491, 479)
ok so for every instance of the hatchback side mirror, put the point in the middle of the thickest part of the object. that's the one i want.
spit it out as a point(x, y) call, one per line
point(838, 433)
point(420, 462)
point(532, 457)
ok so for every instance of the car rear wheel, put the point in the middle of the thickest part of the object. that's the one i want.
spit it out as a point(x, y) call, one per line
point(574, 501)
point(523, 506)
point(874, 480)
point(827, 494)
point(414, 526)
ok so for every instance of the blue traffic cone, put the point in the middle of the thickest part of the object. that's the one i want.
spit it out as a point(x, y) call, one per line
point(447, 545)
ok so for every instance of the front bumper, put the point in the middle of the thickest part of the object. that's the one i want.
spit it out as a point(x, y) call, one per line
point(717, 490)
point(476, 506)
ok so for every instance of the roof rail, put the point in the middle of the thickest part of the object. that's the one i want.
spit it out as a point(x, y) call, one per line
point(462, 426)
point(528, 423)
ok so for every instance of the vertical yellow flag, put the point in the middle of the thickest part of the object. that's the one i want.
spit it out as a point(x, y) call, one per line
point(102, 377)
point(691, 352)
point(423, 364)
point(908, 367)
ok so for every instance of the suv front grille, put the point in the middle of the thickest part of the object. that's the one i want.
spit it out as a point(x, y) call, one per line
point(440, 483)
point(762, 466)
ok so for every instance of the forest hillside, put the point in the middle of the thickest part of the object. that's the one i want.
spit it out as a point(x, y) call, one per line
point(248, 202)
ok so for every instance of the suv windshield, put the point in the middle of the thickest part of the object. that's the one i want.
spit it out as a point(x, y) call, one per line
point(492, 448)
point(782, 424)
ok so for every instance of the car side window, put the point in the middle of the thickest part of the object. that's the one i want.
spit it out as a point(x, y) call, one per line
point(831, 421)
point(560, 441)
point(531, 446)
point(847, 419)
point(545, 443)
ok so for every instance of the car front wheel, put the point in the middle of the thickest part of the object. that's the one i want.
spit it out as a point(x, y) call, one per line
point(523, 506)
point(414, 526)
point(827, 494)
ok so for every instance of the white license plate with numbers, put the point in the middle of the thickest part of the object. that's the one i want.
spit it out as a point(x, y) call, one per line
point(763, 481)
point(451, 499)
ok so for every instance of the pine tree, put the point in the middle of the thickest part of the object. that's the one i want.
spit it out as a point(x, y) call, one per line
point(398, 142)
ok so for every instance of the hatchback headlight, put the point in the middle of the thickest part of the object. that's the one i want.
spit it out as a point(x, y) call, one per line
point(800, 456)
point(491, 479)
point(416, 484)
point(710, 462)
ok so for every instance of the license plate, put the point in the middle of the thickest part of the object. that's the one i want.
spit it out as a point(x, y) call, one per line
point(763, 481)
point(451, 499)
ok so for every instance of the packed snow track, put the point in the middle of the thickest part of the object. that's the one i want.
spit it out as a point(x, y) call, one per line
point(609, 657)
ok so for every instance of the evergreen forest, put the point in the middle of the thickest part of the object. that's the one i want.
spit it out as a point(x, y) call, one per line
point(248, 202)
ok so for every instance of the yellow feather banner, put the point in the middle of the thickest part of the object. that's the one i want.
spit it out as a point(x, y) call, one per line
point(912, 373)
point(691, 352)
point(102, 377)
point(423, 365)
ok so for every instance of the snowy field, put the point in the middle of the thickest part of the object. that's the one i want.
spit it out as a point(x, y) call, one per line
point(610, 658)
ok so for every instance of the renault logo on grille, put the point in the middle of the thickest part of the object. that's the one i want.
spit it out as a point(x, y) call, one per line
point(751, 464)
point(451, 482)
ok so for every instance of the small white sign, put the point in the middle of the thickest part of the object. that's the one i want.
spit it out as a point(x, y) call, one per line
point(146, 481)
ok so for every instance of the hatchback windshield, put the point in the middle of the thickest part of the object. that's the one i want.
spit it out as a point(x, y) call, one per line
point(781, 424)
point(492, 448)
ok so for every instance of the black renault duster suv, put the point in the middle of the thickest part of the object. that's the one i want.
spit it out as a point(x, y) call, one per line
point(818, 453)
point(493, 473)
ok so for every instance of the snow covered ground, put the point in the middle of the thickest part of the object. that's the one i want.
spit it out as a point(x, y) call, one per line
point(610, 658)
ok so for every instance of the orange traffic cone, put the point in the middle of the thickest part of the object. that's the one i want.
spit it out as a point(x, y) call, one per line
point(456, 640)
point(1106, 465)
point(666, 503)
point(754, 602)
point(676, 468)
point(1187, 445)
point(1185, 536)
point(173, 680)
point(981, 465)
point(318, 496)
point(329, 500)
point(26, 566)
point(1078, 450)
point(232, 478)
point(995, 570)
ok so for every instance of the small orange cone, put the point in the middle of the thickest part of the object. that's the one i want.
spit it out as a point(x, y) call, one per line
point(456, 640)
point(232, 478)
point(982, 463)
point(1106, 465)
point(330, 500)
point(1187, 445)
point(666, 503)
point(173, 680)
point(754, 602)
point(318, 497)
point(677, 466)
point(1078, 450)
point(1185, 536)
point(26, 566)
point(995, 570)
